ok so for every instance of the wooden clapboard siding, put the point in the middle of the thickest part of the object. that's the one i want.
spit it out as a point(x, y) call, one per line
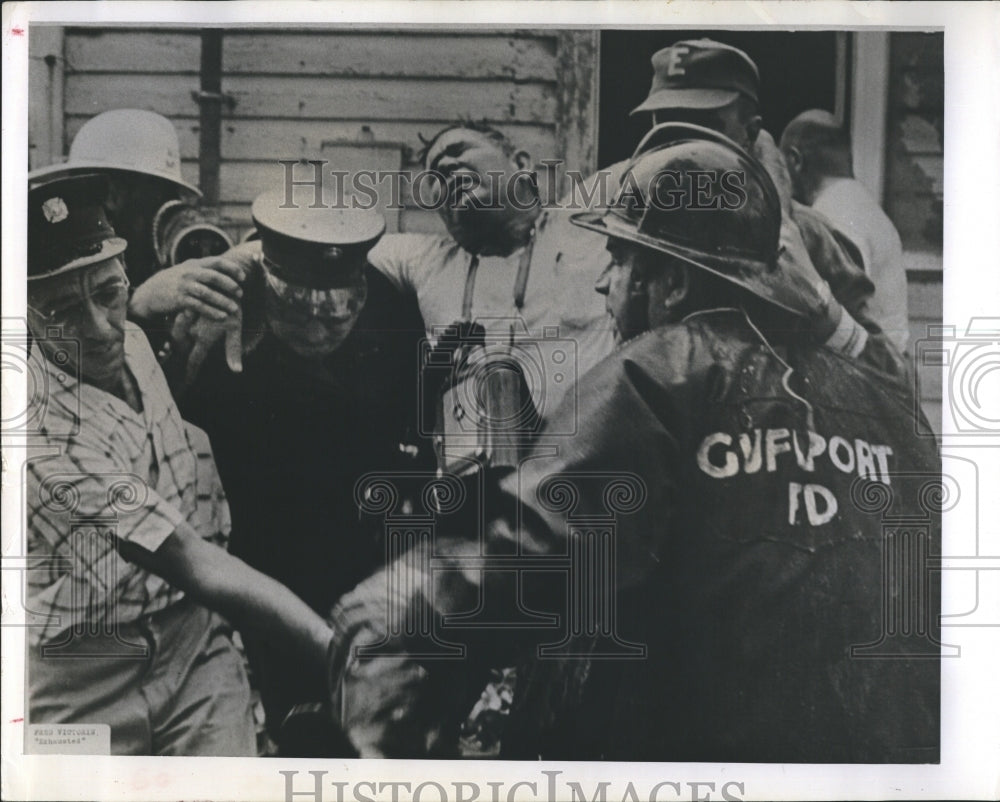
point(515, 56)
point(295, 91)
point(288, 96)
point(45, 88)
point(169, 94)
point(291, 97)
point(303, 139)
point(243, 139)
point(118, 51)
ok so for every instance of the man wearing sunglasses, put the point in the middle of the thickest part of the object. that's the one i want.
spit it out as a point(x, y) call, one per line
point(122, 515)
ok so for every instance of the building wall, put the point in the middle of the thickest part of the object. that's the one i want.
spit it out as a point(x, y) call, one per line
point(914, 186)
point(925, 310)
point(358, 99)
point(362, 100)
point(914, 181)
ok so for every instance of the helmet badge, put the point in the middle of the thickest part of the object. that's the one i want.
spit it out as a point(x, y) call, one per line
point(55, 210)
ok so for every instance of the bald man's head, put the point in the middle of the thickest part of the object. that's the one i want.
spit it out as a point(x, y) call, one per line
point(815, 146)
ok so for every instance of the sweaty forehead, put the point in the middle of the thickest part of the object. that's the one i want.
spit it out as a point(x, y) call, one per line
point(74, 284)
point(458, 140)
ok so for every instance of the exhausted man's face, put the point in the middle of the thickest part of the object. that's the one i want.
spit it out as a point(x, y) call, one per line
point(314, 322)
point(479, 197)
point(88, 306)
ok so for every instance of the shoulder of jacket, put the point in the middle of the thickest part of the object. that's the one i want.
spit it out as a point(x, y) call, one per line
point(688, 347)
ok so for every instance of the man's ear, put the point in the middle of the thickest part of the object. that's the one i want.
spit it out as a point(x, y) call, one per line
point(793, 158)
point(668, 292)
point(523, 160)
point(638, 280)
point(676, 284)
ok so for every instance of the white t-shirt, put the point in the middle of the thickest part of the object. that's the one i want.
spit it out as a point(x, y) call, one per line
point(563, 328)
point(855, 212)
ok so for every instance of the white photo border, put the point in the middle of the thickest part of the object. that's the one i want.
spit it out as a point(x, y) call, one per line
point(970, 754)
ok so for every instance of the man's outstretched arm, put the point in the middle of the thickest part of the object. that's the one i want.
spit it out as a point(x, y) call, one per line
point(224, 583)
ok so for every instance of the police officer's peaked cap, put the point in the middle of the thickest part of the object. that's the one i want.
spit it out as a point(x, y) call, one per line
point(67, 226)
point(694, 194)
point(314, 247)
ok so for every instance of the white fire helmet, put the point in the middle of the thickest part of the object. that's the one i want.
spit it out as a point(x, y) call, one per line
point(131, 140)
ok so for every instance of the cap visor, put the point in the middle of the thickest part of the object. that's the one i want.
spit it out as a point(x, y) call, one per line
point(109, 248)
point(45, 174)
point(687, 99)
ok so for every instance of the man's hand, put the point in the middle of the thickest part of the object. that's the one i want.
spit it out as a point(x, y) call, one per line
point(198, 335)
point(195, 333)
point(390, 703)
point(392, 707)
point(209, 287)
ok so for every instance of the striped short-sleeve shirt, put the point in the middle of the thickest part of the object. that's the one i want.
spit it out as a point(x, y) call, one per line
point(119, 473)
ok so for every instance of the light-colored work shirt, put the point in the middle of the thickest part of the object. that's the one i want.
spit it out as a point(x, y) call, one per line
point(849, 205)
point(120, 473)
point(562, 329)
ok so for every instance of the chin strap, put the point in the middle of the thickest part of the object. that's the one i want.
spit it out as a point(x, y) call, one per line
point(786, 376)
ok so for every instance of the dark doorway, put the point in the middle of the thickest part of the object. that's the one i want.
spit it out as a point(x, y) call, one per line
point(797, 72)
